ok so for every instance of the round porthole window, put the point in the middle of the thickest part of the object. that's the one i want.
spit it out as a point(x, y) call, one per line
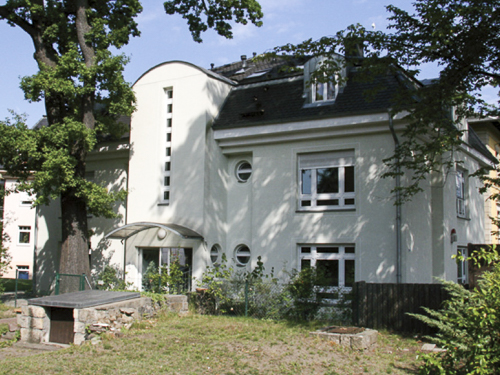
point(243, 171)
point(215, 254)
point(242, 255)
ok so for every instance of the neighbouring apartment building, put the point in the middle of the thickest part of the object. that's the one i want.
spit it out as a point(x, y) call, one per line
point(19, 221)
point(250, 161)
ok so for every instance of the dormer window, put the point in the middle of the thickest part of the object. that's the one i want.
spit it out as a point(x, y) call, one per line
point(324, 91)
point(318, 93)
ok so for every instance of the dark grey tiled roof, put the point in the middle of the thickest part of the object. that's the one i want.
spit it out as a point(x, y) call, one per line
point(257, 70)
point(476, 143)
point(284, 102)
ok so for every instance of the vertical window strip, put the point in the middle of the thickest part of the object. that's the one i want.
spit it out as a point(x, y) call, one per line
point(165, 192)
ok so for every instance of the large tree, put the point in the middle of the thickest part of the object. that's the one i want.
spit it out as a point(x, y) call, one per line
point(82, 85)
point(460, 37)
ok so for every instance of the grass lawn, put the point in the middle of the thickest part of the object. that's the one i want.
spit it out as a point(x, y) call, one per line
point(220, 345)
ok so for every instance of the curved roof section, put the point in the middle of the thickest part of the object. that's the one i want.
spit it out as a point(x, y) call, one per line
point(203, 70)
point(129, 230)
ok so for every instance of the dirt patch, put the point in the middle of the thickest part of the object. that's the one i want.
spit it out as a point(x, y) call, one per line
point(25, 350)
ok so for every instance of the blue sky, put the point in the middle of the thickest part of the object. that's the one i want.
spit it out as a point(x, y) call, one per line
point(166, 38)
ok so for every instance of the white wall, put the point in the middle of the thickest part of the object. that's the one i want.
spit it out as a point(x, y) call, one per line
point(197, 98)
point(18, 212)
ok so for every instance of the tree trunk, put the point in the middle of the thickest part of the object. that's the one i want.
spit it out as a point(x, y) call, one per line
point(75, 249)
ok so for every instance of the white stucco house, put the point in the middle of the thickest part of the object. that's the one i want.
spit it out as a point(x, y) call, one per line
point(247, 160)
point(19, 219)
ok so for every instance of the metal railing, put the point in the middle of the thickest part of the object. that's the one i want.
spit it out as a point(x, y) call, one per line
point(82, 279)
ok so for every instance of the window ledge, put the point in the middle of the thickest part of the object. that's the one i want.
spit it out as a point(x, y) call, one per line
point(467, 218)
point(350, 209)
point(319, 104)
point(163, 204)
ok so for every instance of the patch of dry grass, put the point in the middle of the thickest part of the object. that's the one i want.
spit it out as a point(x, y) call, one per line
point(221, 345)
point(6, 311)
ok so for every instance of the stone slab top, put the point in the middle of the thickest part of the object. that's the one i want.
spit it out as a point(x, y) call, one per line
point(83, 299)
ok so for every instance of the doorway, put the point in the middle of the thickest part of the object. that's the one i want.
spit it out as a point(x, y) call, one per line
point(156, 261)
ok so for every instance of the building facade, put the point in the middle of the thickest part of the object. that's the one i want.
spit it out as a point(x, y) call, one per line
point(249, 161)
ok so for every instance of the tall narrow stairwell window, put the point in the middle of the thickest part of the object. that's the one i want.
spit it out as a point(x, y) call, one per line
point(167, 149)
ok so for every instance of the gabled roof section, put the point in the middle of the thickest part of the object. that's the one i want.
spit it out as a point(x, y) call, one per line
point(282, 100)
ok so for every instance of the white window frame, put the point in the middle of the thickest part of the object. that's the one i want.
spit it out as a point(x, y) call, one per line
point(24, 229)
point(462, 266)
point(215, 254)
point(341, 256)
point(326, 87)
point(23, 269)
point(325, 160)
point(242, 250)
point(241, 171)
point(461, 192)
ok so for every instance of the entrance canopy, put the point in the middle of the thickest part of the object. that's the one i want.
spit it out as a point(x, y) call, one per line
point(132, 229)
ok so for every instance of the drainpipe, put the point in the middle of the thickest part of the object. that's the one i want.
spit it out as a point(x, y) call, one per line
point(35, 247)
point(398, 205)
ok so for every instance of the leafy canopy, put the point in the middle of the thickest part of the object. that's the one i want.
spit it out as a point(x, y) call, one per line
point(460, 37)
point(217, 13)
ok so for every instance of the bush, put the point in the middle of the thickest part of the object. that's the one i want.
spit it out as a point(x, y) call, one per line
point(468, 326)
point(112, 279)
point(166, 280)
point(258, 294)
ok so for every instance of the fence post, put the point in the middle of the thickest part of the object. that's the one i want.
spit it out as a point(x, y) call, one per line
point(57, 284)
point(82, 282)
point(246, 298)
point(17, 275)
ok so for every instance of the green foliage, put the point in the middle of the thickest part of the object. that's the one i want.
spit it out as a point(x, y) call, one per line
point(214, 295)
point(217, 13)
point(460, 36)
point(468, 327)
point(4, 253)
point(111, 278)
point(303, 294)
point(258, 294)
point(81, 82)
point(166, 280)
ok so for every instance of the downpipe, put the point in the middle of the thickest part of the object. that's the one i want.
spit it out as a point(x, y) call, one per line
point(398, 205)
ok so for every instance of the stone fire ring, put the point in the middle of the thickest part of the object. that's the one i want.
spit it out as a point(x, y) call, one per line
point(351, 337)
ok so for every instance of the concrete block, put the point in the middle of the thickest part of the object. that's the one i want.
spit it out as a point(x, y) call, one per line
point(32, 335)
point(38, 312)
point(80, 327)
point(24, 321)
point(25, 310)
point(79, 338)
point(38, 323)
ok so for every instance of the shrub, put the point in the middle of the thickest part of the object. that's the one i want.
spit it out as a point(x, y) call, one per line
point(111, 279)
point(468, 326)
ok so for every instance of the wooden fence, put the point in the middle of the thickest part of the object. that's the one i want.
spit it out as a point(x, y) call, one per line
point(385, 306)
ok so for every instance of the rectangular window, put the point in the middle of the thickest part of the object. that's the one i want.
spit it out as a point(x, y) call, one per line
point(24, 234)
point(462, 266)
point(23, 272)
point(461, 191)
point(324, 91)
point(334, 263)
point(327, 181)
